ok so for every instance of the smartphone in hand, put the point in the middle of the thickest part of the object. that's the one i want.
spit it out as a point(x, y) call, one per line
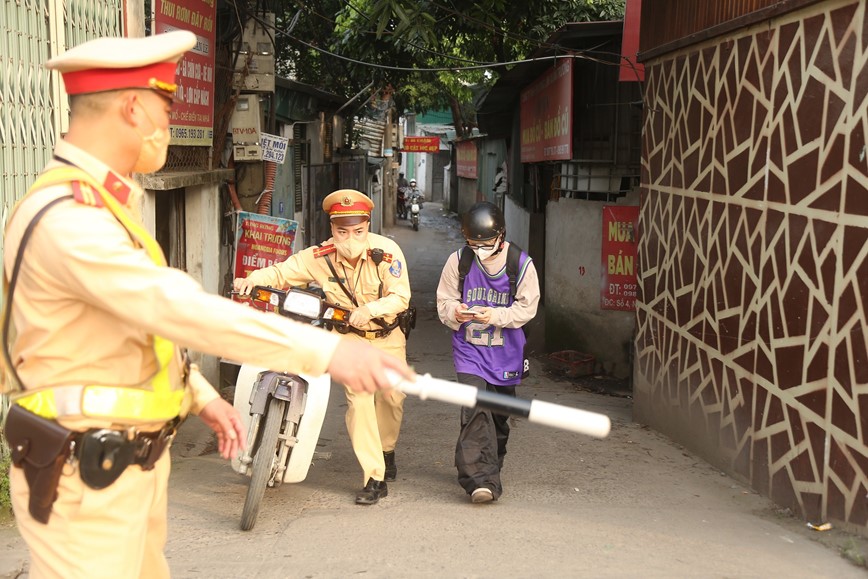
point(473, 312)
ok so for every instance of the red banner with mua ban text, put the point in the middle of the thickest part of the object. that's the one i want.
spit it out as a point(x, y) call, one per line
point(618, 284)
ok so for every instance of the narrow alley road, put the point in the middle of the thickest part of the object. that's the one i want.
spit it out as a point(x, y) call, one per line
point(632, 505)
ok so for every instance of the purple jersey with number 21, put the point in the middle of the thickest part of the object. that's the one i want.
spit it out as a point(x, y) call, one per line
point(493, 353)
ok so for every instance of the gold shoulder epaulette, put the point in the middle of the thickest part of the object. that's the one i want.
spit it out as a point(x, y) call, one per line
point(84, 194)
point(324, 250)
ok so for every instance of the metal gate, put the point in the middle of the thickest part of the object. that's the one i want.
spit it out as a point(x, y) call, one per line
point(33, 112)
point(323, 180)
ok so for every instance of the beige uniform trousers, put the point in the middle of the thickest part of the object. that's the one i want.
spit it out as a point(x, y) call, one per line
point(118, 532)
point(374, 420)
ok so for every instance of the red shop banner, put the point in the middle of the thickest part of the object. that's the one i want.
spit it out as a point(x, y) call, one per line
point(421, 145)
point(466, 158)
point(261, 241)
point(618, 284)
point(546, 116)
point(192, 121)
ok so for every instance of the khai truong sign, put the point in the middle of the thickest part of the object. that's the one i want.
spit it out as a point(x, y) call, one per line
point(261, 241)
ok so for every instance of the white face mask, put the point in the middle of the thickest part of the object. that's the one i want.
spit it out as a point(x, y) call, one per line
point(152, 155)
point(484, 253)
point(351, 248)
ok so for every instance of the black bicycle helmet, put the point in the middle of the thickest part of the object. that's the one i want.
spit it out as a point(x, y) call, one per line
point(483, 221)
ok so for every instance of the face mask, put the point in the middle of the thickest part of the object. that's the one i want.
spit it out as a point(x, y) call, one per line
point(484, 253)
point(152, 155)
point(351, 248)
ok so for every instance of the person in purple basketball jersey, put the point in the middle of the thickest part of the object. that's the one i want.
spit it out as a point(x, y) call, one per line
point(486, 315)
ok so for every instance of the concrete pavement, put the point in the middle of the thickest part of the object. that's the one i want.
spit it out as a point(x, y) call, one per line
point(631, 505)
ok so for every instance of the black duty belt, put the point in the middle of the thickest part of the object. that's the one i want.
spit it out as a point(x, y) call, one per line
point(103, 454)
point(370, 334)
point(42, 447)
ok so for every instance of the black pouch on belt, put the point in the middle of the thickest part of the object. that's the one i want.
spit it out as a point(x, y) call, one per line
point(40, 447)
point(103, 456)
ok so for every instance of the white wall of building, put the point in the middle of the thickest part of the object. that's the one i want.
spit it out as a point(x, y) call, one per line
point(574, 319)
point(203, 253)
point(517, 223)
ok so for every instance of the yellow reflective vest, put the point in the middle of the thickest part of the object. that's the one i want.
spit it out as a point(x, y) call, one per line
point(154, 400)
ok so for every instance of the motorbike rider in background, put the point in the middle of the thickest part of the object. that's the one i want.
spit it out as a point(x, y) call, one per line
point(414, 191)
point(403, 185)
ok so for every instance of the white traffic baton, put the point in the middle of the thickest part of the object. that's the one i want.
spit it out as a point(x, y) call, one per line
point(554, 415)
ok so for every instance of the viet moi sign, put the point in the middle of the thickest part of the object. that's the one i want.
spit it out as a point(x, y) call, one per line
point(273, 147)
point(261, 241)
point(620, 240)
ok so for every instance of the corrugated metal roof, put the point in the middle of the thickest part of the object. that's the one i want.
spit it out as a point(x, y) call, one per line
point(371, 133)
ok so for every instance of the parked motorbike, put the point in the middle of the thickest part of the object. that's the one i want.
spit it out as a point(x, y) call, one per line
point(282, 413)
point(416, 200)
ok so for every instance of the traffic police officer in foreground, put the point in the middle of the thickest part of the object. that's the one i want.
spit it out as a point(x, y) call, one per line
point(367, 273)
point(92, 353)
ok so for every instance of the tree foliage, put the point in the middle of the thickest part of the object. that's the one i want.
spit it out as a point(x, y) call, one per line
point(431, 54)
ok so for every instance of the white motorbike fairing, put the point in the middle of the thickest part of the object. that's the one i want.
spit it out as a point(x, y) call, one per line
point(309, 425)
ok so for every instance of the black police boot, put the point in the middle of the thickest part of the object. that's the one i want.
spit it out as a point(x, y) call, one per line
point(373, 492)
point(391, 468)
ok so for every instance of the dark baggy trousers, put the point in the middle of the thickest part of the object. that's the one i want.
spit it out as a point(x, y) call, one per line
point(482, 441)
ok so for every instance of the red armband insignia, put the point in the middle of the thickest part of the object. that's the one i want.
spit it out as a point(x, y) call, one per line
point(84, 194)
point(387, 257)
point(324, 250)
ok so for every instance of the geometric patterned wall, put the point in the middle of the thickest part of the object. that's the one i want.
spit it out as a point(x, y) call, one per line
point(752, 344)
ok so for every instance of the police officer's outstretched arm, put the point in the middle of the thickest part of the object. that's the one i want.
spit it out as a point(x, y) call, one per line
point(168, 302)
point(362, 367)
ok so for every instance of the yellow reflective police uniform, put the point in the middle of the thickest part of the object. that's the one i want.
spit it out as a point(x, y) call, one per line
point(87, 306)
point(373, 420)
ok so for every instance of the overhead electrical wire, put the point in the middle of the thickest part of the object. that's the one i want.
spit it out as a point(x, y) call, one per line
point(490, 65)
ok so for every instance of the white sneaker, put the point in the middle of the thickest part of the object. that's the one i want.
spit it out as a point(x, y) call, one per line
point(481, 495)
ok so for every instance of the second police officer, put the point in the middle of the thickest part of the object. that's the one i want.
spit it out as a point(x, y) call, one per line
point(367, 273)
